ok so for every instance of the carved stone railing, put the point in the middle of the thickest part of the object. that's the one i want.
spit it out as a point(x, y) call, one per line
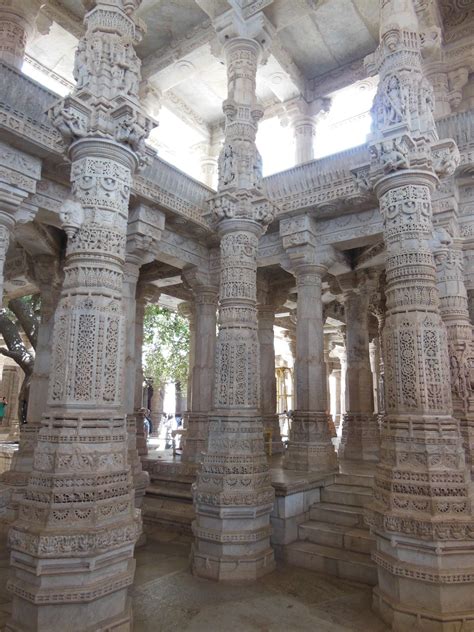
point(460, 127)
point(327, 184)
point(167, 186)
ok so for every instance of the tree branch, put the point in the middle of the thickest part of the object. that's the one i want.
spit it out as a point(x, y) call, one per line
point(24, 312)
point(11, 335)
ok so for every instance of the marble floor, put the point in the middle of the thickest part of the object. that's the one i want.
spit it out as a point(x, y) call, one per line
point(167, 598)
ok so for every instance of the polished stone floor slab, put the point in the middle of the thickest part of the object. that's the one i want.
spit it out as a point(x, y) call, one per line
point(166, 597)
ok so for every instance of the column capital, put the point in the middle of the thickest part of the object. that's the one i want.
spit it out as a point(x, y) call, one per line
point(358, 282)
point(144, 231)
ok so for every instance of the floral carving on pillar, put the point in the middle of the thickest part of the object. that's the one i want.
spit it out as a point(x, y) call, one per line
point(79, 501)
point(233, 496)
point(422, 491)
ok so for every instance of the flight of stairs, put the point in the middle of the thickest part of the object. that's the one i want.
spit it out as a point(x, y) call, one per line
point(335, 540)
point(168, 502)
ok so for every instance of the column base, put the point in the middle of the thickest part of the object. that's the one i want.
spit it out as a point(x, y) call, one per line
point(360, 439)
point(76, 617)
point(233, 498)
point(247, 568)
point(271, 423)
point(310, 448)
point(195, 438)
point(413, 596)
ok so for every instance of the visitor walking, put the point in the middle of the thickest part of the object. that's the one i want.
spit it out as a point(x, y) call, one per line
point(3, 405)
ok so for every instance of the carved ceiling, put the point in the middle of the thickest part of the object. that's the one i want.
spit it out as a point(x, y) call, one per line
point(181, 58)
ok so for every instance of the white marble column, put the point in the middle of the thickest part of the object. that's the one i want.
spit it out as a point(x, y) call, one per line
point(360, 438)
point(233, 495)
point(17, 23)
point(422, 514)
point(202, 377)
point(268, 387)
point(187, 310)
point(454, 312)
point(47, 276)
point(310, 447)
point(72, 544)
point(303, 118)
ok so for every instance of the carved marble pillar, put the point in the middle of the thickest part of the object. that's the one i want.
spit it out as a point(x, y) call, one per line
point(233, 495)
point(134, 307)
point(17, 21)
point(47, 275)
point(374, 353)
point(454, 312)
point(303, 118)
point(72, 544)
point(360, 438)
point(422, 510)
point(336, 373)
point(19, 174)
point(203, 367)
point(268, 392)
point(187, 310)
point(310, 447)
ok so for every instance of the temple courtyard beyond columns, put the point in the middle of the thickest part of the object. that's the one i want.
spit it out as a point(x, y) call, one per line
point(236, 315)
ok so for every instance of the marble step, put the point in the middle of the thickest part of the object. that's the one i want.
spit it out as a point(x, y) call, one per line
point(342, 537)
point(167, 513)
point(354, 495)
point(333, 561)
point(346, 515)
point(355, 479)
point(170, 490)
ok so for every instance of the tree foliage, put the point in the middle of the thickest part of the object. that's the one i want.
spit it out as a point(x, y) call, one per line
point(22, 315)
point(165, 345)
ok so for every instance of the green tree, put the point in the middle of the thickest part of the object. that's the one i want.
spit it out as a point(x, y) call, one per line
point(21, 316)
point(165, 346)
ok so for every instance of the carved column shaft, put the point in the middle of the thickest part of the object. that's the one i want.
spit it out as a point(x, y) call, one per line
point(16, 25)
point(268, 385)
point(454, 312)
point(360, 434)
point(187, 310)
point(233, 494)
point(310, 446)
point(202, 378)
point(47, 277)
point(422, 512)
point(72, 545)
